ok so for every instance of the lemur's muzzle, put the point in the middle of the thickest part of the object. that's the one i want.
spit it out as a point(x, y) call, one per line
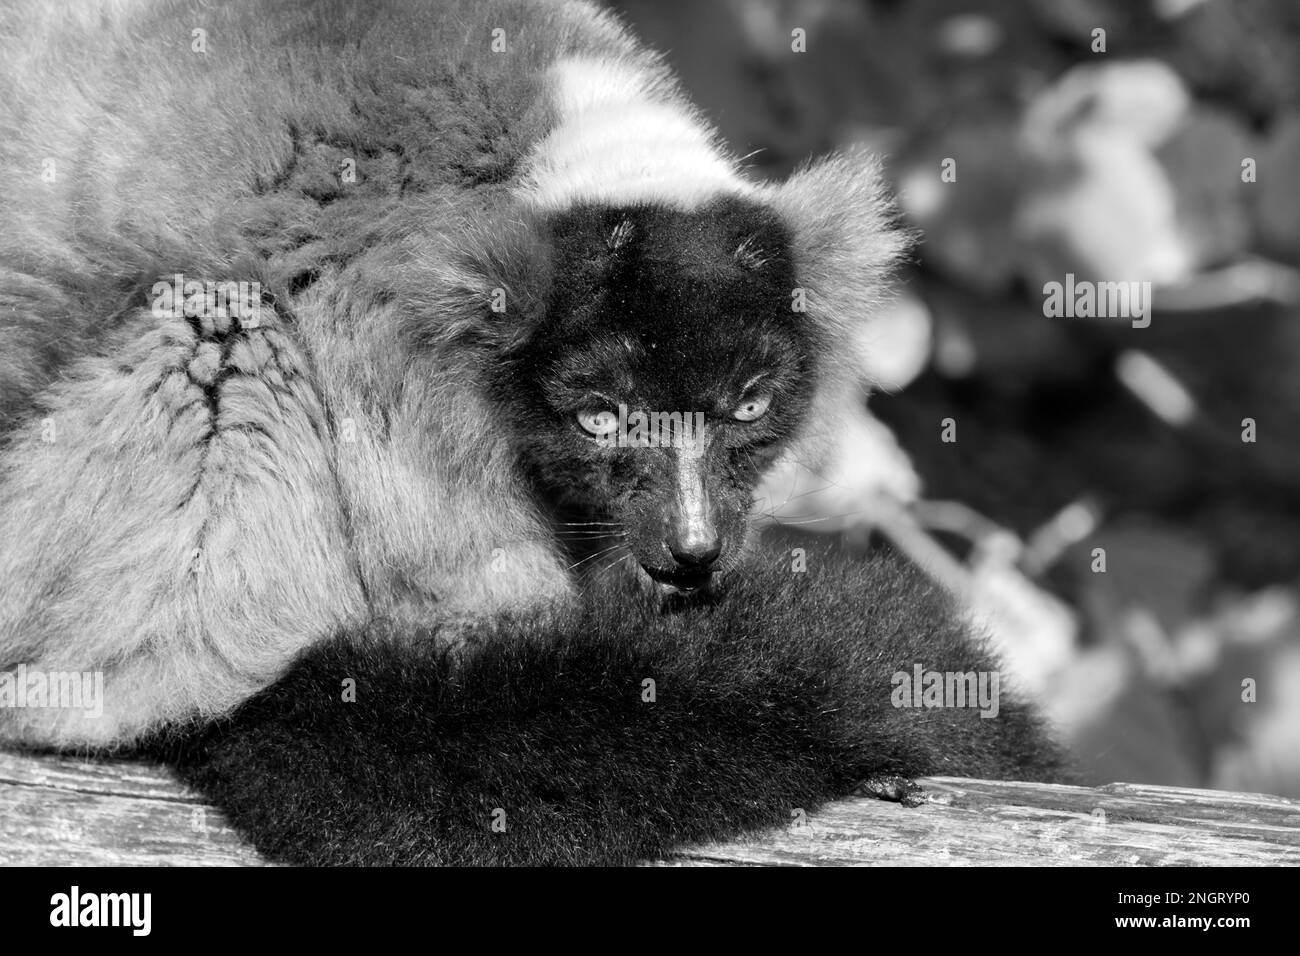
point(693, 538)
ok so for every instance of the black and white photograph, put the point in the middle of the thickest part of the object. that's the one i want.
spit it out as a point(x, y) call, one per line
point(639, 434)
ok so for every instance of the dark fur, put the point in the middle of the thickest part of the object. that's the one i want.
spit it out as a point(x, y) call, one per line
point(773, 698)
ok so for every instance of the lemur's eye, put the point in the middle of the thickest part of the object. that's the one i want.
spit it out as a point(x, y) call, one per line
point(752, 408)
point(597, 421)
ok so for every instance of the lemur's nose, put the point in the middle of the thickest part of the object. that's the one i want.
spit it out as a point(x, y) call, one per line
point(696, 549)
point(693, 538)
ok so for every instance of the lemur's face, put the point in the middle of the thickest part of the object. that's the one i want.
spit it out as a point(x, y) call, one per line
point(670, 372)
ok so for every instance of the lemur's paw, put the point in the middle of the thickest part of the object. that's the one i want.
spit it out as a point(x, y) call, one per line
point(894, 788)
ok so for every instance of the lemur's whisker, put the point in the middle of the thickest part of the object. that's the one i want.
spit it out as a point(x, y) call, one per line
point(616, 562)
point(597, 554)
point(803, 494)
point(846, 514)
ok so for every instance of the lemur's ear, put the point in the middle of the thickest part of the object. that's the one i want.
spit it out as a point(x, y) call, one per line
point(845, 240)
point(486, 281)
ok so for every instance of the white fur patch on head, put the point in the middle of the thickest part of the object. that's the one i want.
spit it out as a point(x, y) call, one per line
point(625, 136)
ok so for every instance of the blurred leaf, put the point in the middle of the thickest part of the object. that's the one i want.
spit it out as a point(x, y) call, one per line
point(1277, 200)
point(967, 223)
point(1203, 158)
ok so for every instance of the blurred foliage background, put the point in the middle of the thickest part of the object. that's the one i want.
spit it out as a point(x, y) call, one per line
point(1072, 434)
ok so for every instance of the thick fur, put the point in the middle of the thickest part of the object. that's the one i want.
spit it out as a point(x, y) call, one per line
point(775, 698)
point(186, 505)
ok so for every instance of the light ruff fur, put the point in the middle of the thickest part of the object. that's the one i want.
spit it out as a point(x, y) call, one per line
point(625, 136)
point(215, 500)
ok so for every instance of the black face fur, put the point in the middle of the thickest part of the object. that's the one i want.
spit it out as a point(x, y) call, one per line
point(663, 312)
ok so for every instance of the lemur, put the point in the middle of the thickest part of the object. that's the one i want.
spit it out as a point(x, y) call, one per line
point(322, 325)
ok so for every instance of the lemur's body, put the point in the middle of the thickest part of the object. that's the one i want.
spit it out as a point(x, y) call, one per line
point(477, 228)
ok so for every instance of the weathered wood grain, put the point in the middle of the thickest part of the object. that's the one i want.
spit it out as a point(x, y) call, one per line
point(60, 810)
point(988, 822)
point(66, 811)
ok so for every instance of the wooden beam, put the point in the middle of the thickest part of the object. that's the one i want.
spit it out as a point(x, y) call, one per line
point(62, 810)
point(68, 811)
